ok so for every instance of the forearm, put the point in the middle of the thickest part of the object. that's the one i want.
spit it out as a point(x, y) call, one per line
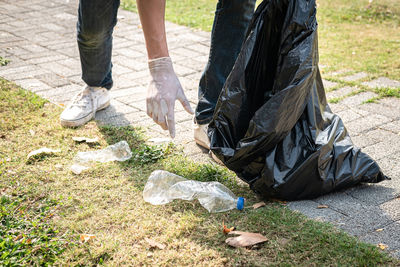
point(152, 13)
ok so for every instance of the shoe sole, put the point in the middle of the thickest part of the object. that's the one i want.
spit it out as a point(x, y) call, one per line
point(82, 121)
point(202, 144)
point(217, 160)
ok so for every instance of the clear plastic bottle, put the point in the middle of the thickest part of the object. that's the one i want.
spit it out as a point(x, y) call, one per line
point(163, 187)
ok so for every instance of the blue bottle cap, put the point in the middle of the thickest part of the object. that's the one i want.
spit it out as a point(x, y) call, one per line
point(240, 203)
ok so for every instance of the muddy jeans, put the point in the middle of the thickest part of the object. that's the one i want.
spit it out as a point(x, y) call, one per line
point(230, 24)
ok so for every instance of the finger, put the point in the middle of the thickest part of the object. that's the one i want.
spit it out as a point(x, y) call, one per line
point(161, 121)
point(185, 102)
point(149, 108)
point(171, 121)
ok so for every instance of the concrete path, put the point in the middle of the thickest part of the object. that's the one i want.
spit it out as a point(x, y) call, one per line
point(39, 39)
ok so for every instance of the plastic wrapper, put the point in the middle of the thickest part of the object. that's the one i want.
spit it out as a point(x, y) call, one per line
point(272, 124)
point(117, 152)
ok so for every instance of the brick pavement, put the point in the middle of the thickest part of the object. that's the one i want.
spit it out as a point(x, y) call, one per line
point(39, 39)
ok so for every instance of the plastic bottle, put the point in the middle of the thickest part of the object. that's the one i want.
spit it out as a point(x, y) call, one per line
point(163, 187)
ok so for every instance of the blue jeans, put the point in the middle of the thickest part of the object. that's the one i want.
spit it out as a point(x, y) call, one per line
point(96, 21)
point(228, 32)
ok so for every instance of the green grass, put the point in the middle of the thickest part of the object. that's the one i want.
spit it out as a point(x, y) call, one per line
point(45, 203)
point(352, 34)
point(3, 61)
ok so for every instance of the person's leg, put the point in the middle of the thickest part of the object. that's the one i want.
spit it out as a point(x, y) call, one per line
point(231, 20)
point(96, 21)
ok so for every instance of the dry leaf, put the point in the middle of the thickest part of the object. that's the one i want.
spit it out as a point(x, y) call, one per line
point(28, 241)
point(86, 237)
point(259, 205)
point(379, 230)
point(88, 140)
point(279, 201)
point(245, 239)
point(382, 246)
point(154, 244)
point(322, 207)
point(226, 229)
point(18, 237)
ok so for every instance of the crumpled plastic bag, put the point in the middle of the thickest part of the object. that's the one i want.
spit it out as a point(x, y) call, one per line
point(117, 152)
point(272, 125)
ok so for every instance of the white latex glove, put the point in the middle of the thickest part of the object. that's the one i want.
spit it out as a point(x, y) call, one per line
point(163, 90)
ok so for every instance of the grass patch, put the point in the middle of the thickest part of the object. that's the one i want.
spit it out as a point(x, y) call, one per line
point(26, 238)
point(3, 61)
point(106, 201)
point(352, 34)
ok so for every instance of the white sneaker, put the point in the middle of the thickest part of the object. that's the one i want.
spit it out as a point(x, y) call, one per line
point(201, 138)
point(200, 135)
point(84, 106)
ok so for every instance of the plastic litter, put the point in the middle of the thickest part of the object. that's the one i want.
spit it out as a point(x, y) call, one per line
point(272, 124)
point(117, 152)
point(40, 152)
point(163, 187)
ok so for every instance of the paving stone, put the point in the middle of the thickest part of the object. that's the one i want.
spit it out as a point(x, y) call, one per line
point(389, 236)
point(390, 112)
point(362, 141)
point(119, 70)
point(391, 168)
point(364, 123)
point(367, 220)
point(310, 209)
point(393, 126)
point(342, 203)
point(135, 98)
point(382, 82)
point(200, 48)
point(125, 81)
point(337, 107)
point(133, 94)
point(355, 77)
point(60, 69)
point(341, 92)
point(392, 209)
point(348, 115)
point(52, 79)
point(373, 194)
point(382, 149)
point(33, 85)
point(358, 99)
point(181, 70)
point(328, 84)
point(393, 102)
point(24, 75)
point(380, 135)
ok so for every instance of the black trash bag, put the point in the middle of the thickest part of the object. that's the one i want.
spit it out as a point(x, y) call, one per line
point(272, 124)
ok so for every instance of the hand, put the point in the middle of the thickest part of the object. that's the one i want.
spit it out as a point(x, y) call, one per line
point(163, 90)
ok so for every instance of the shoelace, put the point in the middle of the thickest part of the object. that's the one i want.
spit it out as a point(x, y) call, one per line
point(83, 98)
